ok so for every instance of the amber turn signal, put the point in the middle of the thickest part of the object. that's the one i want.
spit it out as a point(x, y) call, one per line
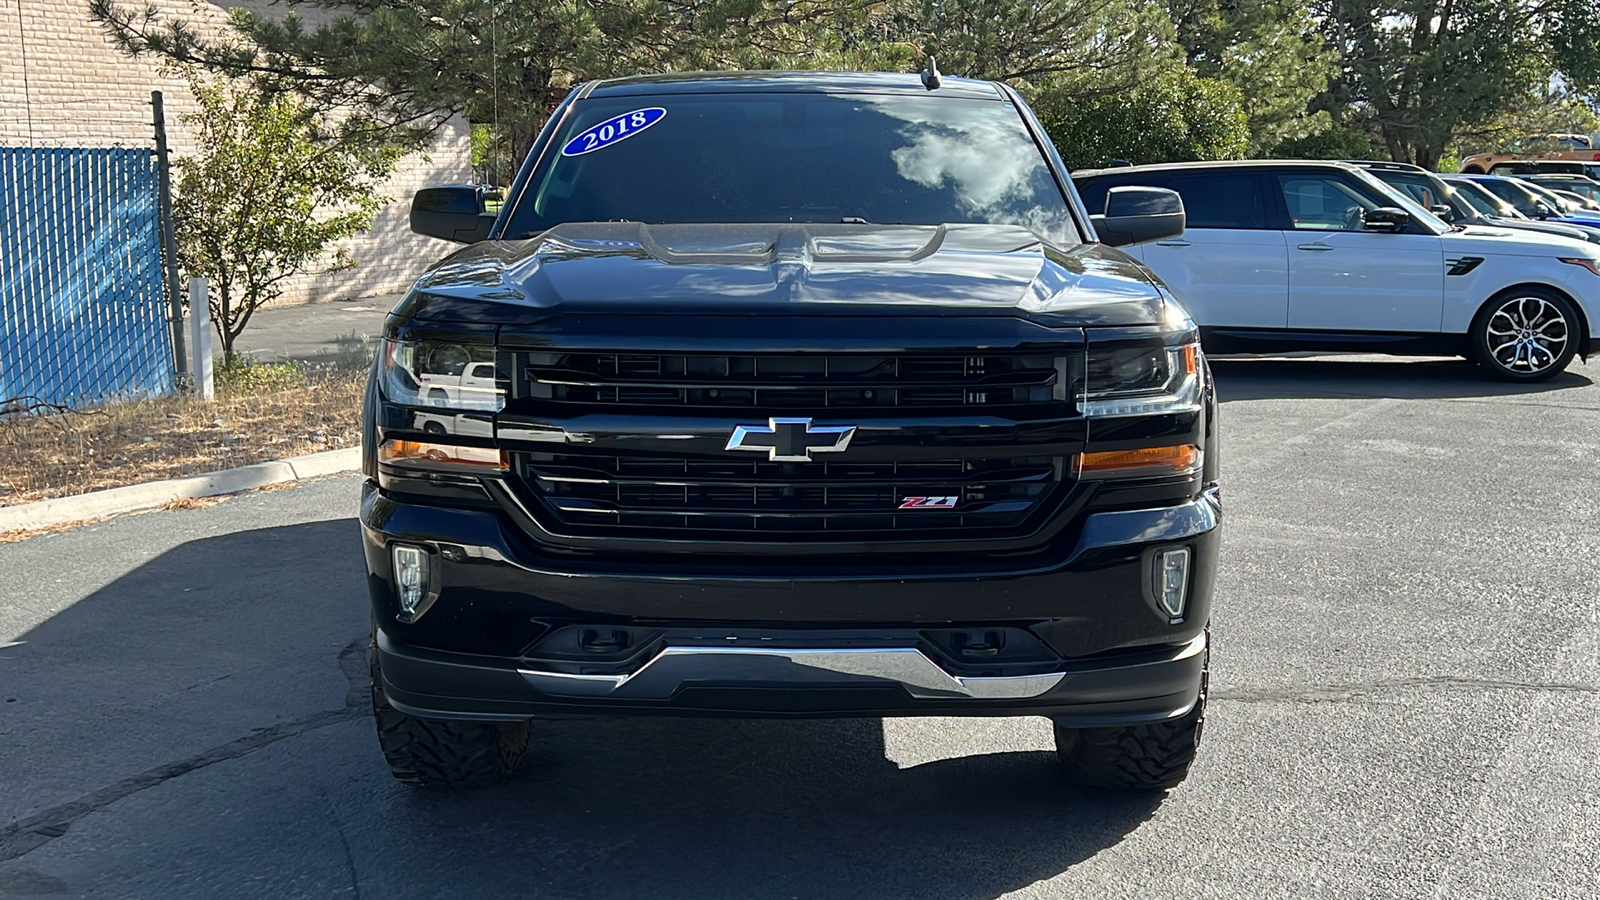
point(1180, 459)
point(1191, 358)
point(394, 452)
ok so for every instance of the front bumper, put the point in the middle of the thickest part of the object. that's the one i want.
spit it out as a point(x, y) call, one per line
point(1151, 686)
point(749, 642)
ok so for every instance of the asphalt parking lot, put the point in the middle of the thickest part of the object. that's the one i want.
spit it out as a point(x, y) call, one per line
point(1406, 704)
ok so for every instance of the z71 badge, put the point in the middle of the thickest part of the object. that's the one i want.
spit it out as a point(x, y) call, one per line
point(928, 502)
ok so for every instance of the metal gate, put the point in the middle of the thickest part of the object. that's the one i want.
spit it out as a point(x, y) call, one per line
point(83, 313)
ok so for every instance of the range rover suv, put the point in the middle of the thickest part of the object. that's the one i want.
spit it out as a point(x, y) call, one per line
point(1305, 255)
point(816, 395)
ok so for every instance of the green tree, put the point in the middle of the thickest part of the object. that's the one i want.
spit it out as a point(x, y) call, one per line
point(1551, 111)
point(1331, 142)
point(1083, 47)
point(403, 68)
point(1176, 117)
point(265, 194)
point(1422, 71)
point(1270, 49)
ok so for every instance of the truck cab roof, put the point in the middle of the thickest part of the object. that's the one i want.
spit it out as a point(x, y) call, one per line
point(790, 82)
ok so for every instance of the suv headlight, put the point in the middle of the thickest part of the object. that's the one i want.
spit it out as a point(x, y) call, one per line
point(453, 376)
point(1143, 378)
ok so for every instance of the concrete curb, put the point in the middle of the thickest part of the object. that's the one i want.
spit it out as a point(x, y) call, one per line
point(134, 497)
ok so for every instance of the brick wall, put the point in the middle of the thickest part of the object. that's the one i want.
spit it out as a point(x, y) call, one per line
point(63, 84)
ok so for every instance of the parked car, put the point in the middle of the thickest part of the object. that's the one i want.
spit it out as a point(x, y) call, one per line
point(1573, 207)
point(1577, 184)
point(753, 454)
point(1285, 255)
point(1577, 200)
point(1531, 200)
point(1459, 207)
point(1501, 214)
point(1573, 147)
point(1544, 167)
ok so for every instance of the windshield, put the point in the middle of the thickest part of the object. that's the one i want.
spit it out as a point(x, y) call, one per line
point(1519, 196)
point(802, 157)
point(1559, 202)
point(1483, 201)
point(1422, 216)
point(1581, 187)
point(1415, 185)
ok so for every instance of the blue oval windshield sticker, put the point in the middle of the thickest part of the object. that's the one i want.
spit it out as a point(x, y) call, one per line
point(612, 130)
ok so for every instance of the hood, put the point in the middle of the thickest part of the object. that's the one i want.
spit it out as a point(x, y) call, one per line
point(787, 270)
point(1492, 240)
point(1585, 233)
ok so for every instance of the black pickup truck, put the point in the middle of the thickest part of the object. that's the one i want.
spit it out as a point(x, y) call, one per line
point(791, 394)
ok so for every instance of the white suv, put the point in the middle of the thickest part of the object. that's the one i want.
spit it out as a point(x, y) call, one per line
point(1300, 255)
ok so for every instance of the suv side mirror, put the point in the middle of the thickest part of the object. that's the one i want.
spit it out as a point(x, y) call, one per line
point(454, 212)
point(1444, 211)
point(1137, 215)
point(1388, 219)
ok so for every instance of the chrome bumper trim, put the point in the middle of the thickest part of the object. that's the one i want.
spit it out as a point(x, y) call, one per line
point(675, 667)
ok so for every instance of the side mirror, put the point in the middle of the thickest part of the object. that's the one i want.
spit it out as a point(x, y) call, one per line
point(1388, 219)
point(454, 212)
point(1138, 215)
point(1444, 211)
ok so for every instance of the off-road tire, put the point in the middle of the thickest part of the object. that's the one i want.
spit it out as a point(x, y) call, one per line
point(437, 753)
point(1135, 757)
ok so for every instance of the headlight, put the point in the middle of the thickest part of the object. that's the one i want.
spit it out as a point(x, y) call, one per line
point(1141, 378)
point(460, 377)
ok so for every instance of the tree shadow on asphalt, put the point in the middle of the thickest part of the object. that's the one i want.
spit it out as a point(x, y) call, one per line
point(1333, 377)
point(604, 806)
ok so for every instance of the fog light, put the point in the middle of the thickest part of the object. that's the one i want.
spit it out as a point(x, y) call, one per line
point(1171, 580)
point(410, 578)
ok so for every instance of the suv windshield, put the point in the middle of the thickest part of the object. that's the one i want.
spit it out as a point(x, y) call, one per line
point(1561, 203)
point(801, 157)
point(1483, 201)
point(1582, 187)
point(1420, 215)
point(1520, 197)
point(1419, 186)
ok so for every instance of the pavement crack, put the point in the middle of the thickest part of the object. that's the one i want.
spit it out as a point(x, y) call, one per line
point(1339, 693)
point(344, 840)
point(26, 835)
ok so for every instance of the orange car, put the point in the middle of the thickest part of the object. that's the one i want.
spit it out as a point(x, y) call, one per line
point(1578, 147)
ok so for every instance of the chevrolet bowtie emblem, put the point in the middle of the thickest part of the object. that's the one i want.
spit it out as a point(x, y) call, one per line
point(791, 440)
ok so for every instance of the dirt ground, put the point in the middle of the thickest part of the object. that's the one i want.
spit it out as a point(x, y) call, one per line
point(268, 412)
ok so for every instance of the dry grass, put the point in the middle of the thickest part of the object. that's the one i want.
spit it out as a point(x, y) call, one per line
point(268, 412)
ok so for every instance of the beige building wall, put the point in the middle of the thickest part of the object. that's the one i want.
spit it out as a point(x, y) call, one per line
point(63, 84)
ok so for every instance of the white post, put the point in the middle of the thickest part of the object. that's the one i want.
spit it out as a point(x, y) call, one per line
point(200, 338)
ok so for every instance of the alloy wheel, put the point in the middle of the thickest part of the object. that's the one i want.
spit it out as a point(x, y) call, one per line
point(1526, 335)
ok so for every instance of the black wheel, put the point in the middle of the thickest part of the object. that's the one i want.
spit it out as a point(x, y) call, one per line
point(1525, 334)
point(434, 428)
point(436, 753)
point(1135, 757)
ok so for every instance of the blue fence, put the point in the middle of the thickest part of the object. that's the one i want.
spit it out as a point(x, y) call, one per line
point(83, 311)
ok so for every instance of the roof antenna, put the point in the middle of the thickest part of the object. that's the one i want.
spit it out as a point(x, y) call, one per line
point(930, 75)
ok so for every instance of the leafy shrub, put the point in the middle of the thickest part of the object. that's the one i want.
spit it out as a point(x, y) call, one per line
point(1175, 117)
point(239, 375)
point(1333, 142)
